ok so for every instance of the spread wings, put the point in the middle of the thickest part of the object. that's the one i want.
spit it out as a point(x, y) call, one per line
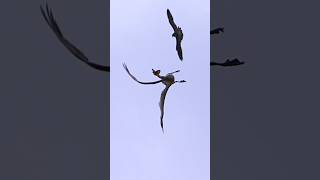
point(217, 31)
point(179, 49)
point(48, 16)
point(233, 62)
point(134, 78)
point(161, 104)
point(171, 21)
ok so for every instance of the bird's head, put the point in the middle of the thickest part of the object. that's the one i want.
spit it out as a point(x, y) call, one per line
point(156, 72)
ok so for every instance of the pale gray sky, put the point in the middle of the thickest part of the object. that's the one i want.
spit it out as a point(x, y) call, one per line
point(141, 37)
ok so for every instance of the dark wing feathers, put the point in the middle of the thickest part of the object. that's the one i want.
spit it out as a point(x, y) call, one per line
point(134, 78)
point(49, 18)
point(171, 21)
point(179, 49)
point(161, 104)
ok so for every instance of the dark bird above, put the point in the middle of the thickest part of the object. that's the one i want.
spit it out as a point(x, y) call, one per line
point(48, 16)
point(178, 34)
point(217, 31)
point(167, 80)
point(234, 62)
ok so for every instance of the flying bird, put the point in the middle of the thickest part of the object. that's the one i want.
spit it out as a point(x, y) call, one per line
point(228, 62)
point(217, 31)
point(48, 16)
point(178, 34)
point(168, 80)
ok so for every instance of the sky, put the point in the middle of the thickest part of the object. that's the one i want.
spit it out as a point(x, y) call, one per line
point(141, 37)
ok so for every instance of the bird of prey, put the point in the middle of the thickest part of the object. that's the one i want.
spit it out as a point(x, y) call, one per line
point(217, 31)
point(168, 80)
point(228, 62)
point(48, 16)
point(178, 34)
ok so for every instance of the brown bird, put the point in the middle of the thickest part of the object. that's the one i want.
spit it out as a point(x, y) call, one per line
point(178, 34)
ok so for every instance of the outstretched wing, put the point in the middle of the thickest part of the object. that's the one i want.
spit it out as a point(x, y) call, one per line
point(234, 62)
point(217, 31)
point(48, 16)
point(134, 78)
point(161, 104)
point(171, 21)
point(179, 49)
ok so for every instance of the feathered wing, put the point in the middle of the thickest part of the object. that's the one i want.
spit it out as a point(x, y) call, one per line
point(48, 16)
point(171, 21)
point(134, 78)
point(161, 104)
point(179, 49)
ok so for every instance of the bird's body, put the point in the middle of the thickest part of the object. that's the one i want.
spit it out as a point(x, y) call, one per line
point(178, 34)
point(168, 80)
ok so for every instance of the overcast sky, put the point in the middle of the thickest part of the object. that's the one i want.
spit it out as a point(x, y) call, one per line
point(141, 37)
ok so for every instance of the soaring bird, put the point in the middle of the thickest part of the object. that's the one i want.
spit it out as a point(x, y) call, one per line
point(48, 16)
point(168, 80)
point(178, 34)
point(217, 31)
point(228, 62)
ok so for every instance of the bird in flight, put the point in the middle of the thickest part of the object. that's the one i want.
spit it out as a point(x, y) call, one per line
point(168, 80)
point(217, 31)
point(48, 16)
point(178, 34)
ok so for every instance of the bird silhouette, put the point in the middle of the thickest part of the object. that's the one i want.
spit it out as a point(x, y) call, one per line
point(178, 34)
point(48, 16)
point(168, 80)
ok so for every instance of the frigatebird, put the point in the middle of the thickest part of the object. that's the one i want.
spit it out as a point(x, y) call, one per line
point(178, 34)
